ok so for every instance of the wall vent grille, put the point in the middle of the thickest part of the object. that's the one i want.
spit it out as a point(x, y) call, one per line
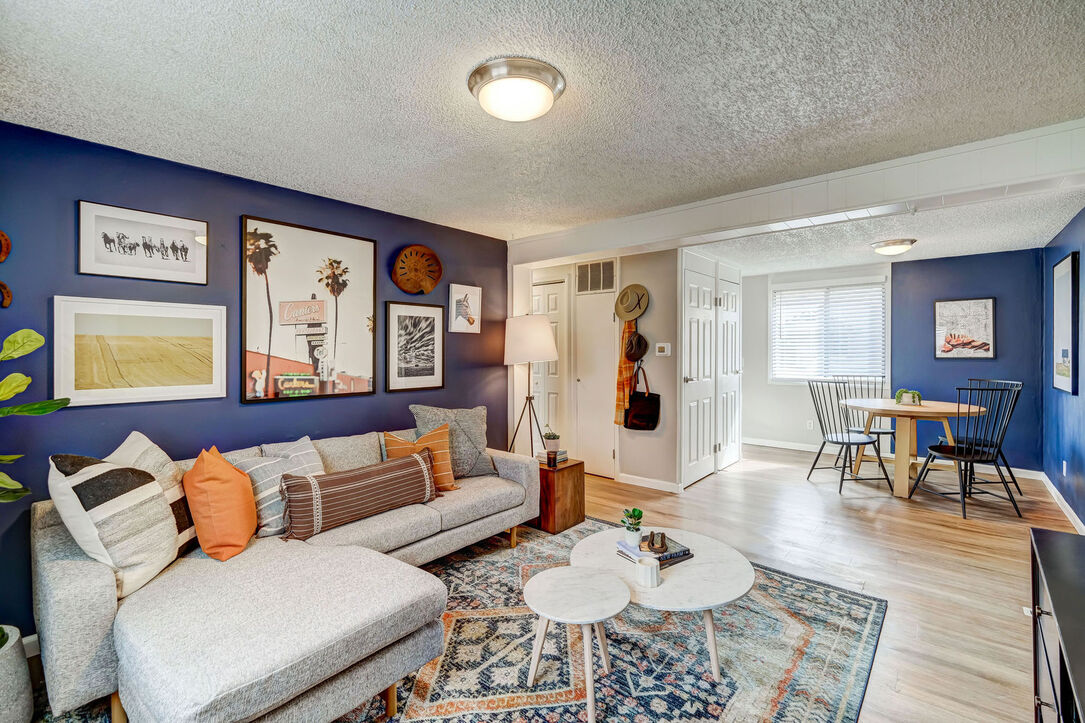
point(595, 277)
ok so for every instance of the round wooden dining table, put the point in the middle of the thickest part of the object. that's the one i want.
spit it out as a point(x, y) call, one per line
point(906, 416)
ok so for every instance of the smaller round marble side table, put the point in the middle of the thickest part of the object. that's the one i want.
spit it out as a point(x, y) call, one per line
point(575, 596)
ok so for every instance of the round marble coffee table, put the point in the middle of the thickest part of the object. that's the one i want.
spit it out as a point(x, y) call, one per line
point(717, 574)
point(575, 596)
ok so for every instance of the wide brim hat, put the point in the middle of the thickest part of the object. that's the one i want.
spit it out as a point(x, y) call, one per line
point(636, 346)
point(632, 301)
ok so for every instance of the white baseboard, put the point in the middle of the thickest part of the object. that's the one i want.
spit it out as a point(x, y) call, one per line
point(1063, 504)
point(802, 447)
point(30, 644)
point(655, 484)
point(780, 444)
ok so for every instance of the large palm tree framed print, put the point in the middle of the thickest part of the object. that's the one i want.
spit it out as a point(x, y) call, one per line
point(308, 300)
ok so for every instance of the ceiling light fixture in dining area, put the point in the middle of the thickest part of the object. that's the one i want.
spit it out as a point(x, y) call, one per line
point(516, 89)
point(893, 247)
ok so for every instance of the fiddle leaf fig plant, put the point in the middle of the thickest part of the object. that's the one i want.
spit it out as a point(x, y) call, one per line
point(20, 344)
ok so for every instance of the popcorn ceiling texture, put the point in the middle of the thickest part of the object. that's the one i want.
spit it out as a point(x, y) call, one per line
point(667, 102)
point(979, 228)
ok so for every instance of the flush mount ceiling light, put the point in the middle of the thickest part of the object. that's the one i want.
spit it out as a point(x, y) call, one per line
point(893, 246)
point(516, 89)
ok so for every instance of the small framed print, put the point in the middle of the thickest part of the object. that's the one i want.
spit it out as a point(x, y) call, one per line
point(116, 241)
point(115, 351)
point(416, 346)
point(464, 309)
point(1064, 323)
point(964, 328)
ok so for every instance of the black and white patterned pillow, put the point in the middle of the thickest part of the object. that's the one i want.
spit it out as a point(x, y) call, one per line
point(466, 436)
point(119, 510)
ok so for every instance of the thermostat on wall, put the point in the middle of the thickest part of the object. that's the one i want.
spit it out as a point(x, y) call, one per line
point(663, 349)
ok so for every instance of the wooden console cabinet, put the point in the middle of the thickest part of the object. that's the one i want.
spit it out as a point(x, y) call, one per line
point(561, 497)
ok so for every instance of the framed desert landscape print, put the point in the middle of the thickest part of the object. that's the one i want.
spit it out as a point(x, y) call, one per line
point(464, 306)
point(416, 346)
point(1064, 319)
point(116, 241)
point(115, 351)
point(308, 300)
point(964, 329)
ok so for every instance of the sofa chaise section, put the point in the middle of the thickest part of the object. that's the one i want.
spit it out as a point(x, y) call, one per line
point(205, 641)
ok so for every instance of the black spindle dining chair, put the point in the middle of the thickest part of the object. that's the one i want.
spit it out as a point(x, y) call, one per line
point(828, 396)
point(864, 386)
point(977, 439)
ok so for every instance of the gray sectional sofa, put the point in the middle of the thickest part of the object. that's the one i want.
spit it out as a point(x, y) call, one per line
point(284, 631)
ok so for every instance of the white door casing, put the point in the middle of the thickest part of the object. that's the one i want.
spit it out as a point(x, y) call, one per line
point(697, 436)
point(596, 370)
point(549, 379)
point(728, 371)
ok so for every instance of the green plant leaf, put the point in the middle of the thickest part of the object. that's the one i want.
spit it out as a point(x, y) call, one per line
point(3, 637)
point(9, 458)
point(20, 344)
point(7, 495)
point(7, 483)
point(35, 408)
point(12, 384)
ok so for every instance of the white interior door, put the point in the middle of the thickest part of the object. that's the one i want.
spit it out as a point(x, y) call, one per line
point(728, 373)
point(596, 369)
point(549, 379)
point(698, 378)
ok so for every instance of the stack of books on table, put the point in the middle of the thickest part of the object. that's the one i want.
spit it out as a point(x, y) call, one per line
point(676, 552)
point(563, 456)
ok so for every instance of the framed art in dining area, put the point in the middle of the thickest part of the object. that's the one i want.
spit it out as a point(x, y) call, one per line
point(117, 351)
point(464, 309)
point(964, 328)
point(416, 346)
point(1064, 320)
point(117, 241)
point(308, 301)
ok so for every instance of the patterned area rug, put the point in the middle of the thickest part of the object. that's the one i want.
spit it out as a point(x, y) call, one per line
point(792, 649)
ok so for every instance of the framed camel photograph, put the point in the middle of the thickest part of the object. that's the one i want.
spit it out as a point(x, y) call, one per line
point(118, 241)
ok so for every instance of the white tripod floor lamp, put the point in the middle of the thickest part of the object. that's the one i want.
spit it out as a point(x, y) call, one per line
point(529, 339)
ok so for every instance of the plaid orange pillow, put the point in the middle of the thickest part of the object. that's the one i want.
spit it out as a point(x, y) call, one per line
point(438, 444)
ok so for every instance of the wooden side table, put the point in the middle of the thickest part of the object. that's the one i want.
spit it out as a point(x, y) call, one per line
point(561, 496)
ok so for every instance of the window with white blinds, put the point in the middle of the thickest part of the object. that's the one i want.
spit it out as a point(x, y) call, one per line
point(824, 330)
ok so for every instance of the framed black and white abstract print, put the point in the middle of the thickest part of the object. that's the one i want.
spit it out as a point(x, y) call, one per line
point(415, 346)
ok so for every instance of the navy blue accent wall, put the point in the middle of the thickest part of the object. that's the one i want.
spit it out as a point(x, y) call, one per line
point(1064, 414)
point(1014, 278)
point(42, 176)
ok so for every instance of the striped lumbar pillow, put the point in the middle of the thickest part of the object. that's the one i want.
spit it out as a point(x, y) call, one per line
point(297, 458)
point(437, 442)
point(316, 503)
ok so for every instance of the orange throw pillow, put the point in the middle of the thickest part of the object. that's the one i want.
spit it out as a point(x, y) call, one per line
point(437, 441)
point(222, 506)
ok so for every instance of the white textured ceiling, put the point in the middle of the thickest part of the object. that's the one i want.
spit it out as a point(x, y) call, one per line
point(667, 102)
point(1002, 225)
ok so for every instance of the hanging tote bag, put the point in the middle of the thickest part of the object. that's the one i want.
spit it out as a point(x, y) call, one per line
point(643, 411)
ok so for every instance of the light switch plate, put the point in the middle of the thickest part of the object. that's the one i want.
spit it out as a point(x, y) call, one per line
point(663, 349)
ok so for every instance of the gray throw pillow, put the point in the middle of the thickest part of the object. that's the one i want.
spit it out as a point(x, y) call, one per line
point(467, 437)
point(266, 473)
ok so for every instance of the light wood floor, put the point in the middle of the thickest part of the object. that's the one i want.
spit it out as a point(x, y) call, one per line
point(955, 645)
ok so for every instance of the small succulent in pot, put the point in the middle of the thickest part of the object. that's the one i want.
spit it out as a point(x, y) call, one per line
point(551, 440)
point(908, 397)
point(631, 520)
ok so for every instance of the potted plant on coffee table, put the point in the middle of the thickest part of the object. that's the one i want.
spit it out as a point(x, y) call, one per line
point(16, 696)
point(631, 520)
point(908, 397)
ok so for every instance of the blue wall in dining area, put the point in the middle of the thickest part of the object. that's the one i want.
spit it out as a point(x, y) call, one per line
point(1015, 280)
point(1064, 413)
point(42, 176)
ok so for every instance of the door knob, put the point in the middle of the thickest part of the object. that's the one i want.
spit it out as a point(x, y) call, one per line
point(687, 380)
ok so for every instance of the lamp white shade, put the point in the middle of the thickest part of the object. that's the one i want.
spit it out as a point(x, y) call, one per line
point(529, 339)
